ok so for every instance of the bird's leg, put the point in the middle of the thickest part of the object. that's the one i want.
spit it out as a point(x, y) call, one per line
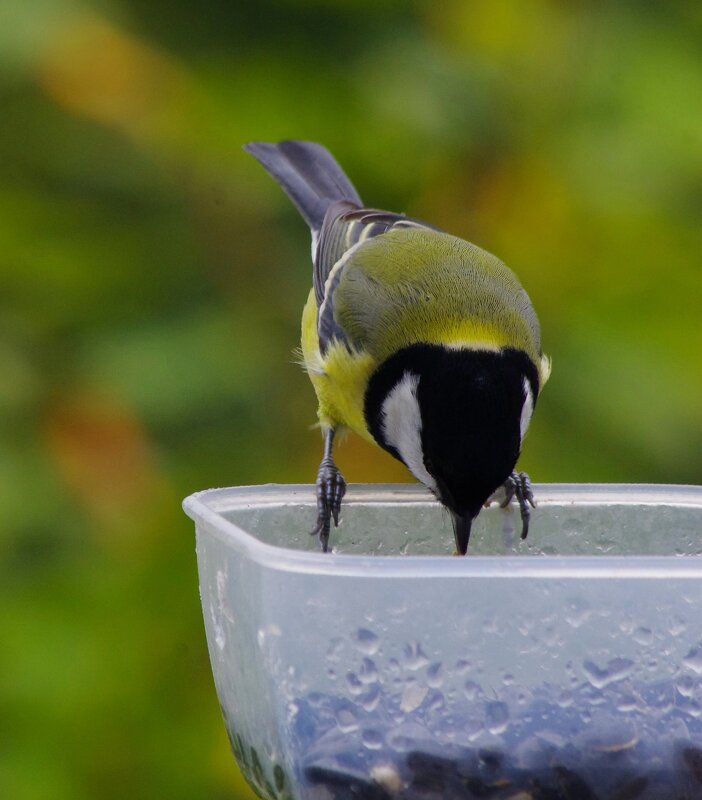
point(331, 487)
point(519, 486)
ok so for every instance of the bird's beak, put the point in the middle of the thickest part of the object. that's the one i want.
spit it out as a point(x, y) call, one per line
point(461, 531)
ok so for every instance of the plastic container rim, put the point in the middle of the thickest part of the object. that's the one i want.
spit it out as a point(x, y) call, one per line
point(206, 507)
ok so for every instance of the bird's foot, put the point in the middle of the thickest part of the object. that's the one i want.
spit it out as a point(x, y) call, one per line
point(518, 485)
point(331, 488)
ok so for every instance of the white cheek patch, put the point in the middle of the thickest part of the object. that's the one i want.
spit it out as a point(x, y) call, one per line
point(402, 427)
point(527, 409)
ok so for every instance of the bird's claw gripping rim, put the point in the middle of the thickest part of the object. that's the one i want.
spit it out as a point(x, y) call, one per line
point(331, 488)
point(518, 485)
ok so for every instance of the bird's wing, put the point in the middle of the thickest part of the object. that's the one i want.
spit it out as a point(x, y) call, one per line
point(345, 228)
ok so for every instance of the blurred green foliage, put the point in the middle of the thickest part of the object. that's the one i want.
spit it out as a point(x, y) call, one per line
point(152, 278)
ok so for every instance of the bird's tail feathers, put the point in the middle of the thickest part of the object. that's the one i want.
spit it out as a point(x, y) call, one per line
point(309, 175)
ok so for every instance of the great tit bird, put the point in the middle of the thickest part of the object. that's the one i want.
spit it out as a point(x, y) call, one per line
point(417, 340)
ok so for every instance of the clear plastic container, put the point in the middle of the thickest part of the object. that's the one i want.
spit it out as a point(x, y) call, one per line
point(566, 666)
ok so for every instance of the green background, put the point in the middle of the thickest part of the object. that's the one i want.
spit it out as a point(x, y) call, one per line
point(152, 277)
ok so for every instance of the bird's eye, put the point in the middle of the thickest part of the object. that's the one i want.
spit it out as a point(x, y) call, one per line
point(429, 466)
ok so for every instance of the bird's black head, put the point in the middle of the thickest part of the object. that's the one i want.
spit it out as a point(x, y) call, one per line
point(455, 417)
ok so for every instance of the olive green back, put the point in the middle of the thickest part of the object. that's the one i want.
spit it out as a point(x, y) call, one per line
point(413, 284)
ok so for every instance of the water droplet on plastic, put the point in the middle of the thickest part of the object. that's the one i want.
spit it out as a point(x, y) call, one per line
point(473, 729)
point(662, 698)
point(616, 670)
point(643, 636)
point(693, 660)
point(366, 641)
point(347, 718)
point(676, 626)
point(415, 658)
point(626, 627)
point(435, 701)
point(435, 675)
point(471, 690)
point(565, 699)
point(368, 673)
point(686, 685)
point(606, 735)
point(626, 703)
point(354, 684)
point(372, 739)
point(463, 666)
point(693, 708)
point(577, 612)
point(369, 701)
point(524, 697)
point(496, 717)
point(677, 729)
point(594, 696)
point(552, 739)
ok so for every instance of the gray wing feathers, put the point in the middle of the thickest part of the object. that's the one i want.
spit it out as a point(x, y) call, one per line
point(346, 225)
